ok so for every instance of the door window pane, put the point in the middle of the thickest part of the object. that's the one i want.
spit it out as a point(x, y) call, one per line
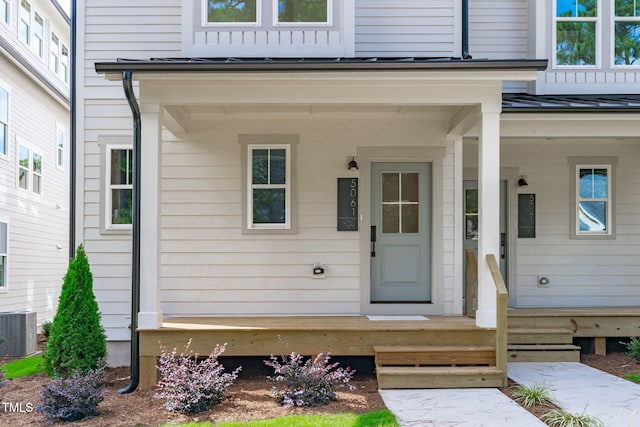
point(391, 218)
point(400, 202)
point(410, 218)
point(410, 188)
point(390, 187)
point(231, 11)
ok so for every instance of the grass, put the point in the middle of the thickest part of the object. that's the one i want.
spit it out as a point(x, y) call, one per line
point(634, 377)
point(372, 419)
point(23, 367)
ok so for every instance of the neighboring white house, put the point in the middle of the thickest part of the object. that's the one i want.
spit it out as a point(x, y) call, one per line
point(251, 114)
point(34, 155)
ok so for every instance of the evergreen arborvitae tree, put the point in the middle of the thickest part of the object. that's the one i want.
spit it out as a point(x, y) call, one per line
point(77, 340)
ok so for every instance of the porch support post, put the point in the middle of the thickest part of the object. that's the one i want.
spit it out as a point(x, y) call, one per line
point(150, 316)
point(488, 210)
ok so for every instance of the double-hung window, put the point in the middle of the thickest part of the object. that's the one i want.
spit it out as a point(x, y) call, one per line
point(593, 197)
point(24, 23)
point(29, 170)
point(60, 137)
point(270, 195)
point(4, 253)
point(64, 63)
point(119, 191)
point(577, 28)
point(38, 35)
point(626, 28)
point(54, 54)
point(284, 12)
point(4, 11)
point(4, 121)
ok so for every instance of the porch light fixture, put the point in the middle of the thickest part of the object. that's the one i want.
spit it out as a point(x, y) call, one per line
point(522, 182)
point(353, 165)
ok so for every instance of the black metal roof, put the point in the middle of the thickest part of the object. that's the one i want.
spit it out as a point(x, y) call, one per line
point(525, 103)
point(314, 64)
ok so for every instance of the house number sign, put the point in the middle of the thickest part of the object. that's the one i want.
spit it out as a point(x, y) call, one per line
point(347, 204)
point(526, 215)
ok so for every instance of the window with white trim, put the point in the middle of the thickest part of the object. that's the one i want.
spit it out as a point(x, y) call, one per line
point(38, 35)
point(4, 121)
point(60, 137)
point(626, 29)
point(64, 63)
point(593, 197)
point(4, 11)
point(24, 23)
point(269, 203)
point(119, 186)
point(29, 170)
point(4, 253)
point(284, 12)
point(54, 53)
point(577, 25)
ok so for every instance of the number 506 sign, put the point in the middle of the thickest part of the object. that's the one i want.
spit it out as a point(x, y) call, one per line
point(347, 204)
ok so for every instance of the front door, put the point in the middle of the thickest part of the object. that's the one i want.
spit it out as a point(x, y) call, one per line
point(400, 232)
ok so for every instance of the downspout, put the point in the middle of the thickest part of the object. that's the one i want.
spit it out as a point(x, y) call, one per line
point(72, 138)
point(465, 30)
point(135, 224)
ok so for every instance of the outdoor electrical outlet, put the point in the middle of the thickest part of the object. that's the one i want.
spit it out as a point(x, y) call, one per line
point(318, 270)
point(543, 282)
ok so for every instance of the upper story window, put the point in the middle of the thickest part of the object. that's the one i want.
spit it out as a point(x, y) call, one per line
point(4, 121)
point(4, 11)
point(38, 35)
point(314, 12)
point(24, 24)
point(576, 28)
point(626, 27)
point(64, 63)
point(231, 12)
point(54, 56)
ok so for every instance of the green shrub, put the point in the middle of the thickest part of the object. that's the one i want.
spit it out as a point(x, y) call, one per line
point(46, 328)
point(532, 395)
point(633, 347)
point(562, 418)
point(77, 341)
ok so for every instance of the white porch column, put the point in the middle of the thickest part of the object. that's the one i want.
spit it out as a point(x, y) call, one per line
point(489, 211)
point(150, 316)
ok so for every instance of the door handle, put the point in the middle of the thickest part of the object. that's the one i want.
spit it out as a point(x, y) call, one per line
point(373, 241)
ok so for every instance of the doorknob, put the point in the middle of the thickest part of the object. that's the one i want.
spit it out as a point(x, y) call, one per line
point(373, 241)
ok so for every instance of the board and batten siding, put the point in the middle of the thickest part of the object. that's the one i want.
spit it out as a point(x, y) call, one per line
point(107, 30)
point(581, 273)
point(407, 28)
point(209, 267)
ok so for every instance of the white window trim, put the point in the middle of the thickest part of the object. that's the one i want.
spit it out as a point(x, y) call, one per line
point(108, 225)
point(554, 37)
point(60, 151)
point(35, 36)
point(253, 141)
point(5, 288)
point(30, 170)
point(205, 23)
point(54, 52)
point(5, 154)
point(577, 163)
point(22, 13)
point(615, 19)
point(277, 23)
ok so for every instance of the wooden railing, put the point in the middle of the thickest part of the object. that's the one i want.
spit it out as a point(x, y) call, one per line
point(471, 282)
point(502, 295)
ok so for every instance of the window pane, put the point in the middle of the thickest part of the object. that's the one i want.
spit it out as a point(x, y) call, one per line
point(627, 48)
point(593, 184)
point(390, 187)
point(410, 187)
point(24, 157)
point(3, 237)
point(576, 43)
point(37, 179)
point(471, 201)
point(278, 166)
point(574, 8)
point(121, 201)
point(3, 138)
point(231, 11)
point(22, 179)
point(593, 216)
point(37, 163)
point(627, 8)
point(471, 231)
point(4, 106)
point(269, 206)
point(260, 167)
point(4, 11)
point(302, 10)
point(121, 168)
point(3, 263)
point(410, 218)
point(390, 218)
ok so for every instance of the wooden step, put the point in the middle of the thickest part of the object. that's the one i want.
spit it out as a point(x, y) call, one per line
point(411, 377)
point(539, 336)
point(434, 355)
point(543, 353)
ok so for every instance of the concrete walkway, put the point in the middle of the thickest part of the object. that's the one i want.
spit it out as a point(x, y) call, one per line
point(575, 387)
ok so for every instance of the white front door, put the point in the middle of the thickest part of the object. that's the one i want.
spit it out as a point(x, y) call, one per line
point(400, 232)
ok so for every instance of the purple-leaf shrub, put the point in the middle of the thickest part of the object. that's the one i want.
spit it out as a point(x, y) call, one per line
point(189, 385)
point(73, 398)
point(307, 383)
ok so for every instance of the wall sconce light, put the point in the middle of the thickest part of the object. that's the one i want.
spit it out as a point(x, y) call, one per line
point(522, 182)
point(353, 165)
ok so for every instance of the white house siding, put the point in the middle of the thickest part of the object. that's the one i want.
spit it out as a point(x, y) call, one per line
point(107, 30)
point(499, 29)
point(210, 268)
point(37, 224)
point(407, 28)
point(582, 273)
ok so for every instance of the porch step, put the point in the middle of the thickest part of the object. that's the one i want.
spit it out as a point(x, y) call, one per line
point(437, 366)
point(438, 376)
point(541, 345)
